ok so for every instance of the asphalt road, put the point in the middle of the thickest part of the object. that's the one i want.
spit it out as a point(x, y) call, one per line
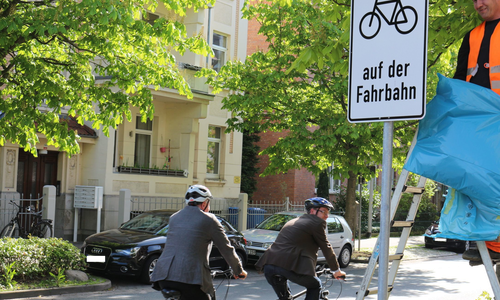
point(443, 277)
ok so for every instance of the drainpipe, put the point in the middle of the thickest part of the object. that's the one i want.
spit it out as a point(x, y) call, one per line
point(208, 27)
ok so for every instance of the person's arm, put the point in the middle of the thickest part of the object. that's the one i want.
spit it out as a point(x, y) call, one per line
point(325, 246)
point(226, 250)
point(462, 59)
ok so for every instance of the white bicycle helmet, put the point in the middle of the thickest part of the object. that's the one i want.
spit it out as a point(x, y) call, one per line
point(197, 193)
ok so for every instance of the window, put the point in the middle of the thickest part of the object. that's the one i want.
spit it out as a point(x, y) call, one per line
point(219, 46)
point(334, 225)
point(333, 183)
point(143, 133)
point(213, 150)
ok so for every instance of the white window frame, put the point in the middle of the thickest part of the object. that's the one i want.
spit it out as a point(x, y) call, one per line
point(219, 48)
point(217, 163)
point(334, 184)
point(143, 132)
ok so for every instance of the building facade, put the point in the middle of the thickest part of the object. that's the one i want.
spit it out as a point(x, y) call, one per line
point(295, 185)
point(184, 144)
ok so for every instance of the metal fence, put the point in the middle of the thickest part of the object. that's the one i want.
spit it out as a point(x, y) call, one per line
point(258, 212)
point(226, 208)
point(9, 210)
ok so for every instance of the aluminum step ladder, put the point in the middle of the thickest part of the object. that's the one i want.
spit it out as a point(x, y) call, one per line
point(407, 225)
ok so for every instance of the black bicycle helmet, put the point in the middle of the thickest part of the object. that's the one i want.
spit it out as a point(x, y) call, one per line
point(318, 202)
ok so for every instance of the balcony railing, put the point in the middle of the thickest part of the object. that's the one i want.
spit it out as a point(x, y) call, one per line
point(152, 171)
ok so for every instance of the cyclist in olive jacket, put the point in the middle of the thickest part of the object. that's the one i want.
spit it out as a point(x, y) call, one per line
point(294, 254)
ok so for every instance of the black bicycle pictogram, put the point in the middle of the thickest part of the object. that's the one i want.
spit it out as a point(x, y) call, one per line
point(404, 18)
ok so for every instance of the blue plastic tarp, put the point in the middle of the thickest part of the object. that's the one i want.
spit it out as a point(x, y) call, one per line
point(458, 144)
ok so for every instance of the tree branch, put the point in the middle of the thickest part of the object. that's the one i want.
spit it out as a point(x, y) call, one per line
point(73, 43)
point(340, 4)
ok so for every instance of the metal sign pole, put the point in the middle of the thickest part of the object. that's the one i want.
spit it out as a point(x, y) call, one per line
point(385, 211)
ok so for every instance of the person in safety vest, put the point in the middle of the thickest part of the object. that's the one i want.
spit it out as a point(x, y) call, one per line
point(479, 63)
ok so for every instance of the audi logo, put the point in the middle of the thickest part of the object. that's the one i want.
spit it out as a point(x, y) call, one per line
point(96, 251)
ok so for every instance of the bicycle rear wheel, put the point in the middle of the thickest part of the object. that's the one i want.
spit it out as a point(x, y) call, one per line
point(45, 231)
point(11, 230)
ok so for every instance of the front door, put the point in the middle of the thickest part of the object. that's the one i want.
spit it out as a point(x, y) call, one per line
point(35, 172)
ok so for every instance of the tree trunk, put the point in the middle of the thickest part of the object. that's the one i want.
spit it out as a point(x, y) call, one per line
point(350, 207)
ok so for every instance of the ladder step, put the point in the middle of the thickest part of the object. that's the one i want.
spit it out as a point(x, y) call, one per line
point(402, 223)
point(397, 256)
point(413, 189)
point(375, 291)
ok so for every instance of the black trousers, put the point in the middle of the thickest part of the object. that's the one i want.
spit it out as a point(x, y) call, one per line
point(188, 291)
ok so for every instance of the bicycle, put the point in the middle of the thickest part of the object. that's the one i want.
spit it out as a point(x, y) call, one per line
point(323, 295)
point(171, 294)
point(39, 227)
point(401, 18)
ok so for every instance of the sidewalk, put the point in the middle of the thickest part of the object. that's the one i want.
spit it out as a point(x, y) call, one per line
point(393, 241)
point(363, 249)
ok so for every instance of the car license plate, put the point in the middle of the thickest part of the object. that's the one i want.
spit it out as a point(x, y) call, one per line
point(440, 239)
point(251, 252)
point(96, 258)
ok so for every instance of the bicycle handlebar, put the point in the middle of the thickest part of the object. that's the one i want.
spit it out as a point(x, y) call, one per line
point(227, 273)
point(30, 209)
point(322, 270)
point(14, 203)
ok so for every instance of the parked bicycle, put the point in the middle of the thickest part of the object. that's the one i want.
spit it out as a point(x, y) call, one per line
point(39, 227)
point(327, 283)
point(170, 294)
point(404, 18)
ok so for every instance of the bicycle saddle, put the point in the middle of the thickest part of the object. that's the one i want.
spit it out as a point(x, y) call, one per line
point(167, 293)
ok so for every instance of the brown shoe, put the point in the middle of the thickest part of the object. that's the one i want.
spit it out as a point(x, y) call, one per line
point(472, 255)
point(475, 263)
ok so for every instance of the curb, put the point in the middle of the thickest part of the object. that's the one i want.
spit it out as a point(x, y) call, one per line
point(361, 260)
point(410, 254)
point(56, 291)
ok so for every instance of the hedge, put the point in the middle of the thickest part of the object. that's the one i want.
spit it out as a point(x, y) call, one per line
point(38, 257)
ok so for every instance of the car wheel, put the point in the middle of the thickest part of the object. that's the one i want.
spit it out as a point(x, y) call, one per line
point(148, 269)
point(345, 256)
point(241, 256)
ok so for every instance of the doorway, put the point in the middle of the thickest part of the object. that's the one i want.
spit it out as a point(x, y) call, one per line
point(35, 172)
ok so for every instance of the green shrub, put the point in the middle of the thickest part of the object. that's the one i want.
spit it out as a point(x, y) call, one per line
point(484, 296)
point(38, 257)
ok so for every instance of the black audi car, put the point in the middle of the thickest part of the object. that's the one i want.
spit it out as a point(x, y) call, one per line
point(134, 248)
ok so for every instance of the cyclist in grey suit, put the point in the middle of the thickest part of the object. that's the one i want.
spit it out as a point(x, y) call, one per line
point(183, 264)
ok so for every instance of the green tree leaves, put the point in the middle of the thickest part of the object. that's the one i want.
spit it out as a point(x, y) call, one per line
point(299, 85)
point(67, 55)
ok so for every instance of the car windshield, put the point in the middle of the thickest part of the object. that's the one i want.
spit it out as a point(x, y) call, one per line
point(147, 222)
point(275, 222)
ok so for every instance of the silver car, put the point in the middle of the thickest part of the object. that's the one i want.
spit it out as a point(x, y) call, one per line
point(263, 236)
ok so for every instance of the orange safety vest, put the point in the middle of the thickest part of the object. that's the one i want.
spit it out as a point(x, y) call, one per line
point(493, 245)
point(475, 39)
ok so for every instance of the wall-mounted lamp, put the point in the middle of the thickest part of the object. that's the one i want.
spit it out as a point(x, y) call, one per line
point(131, 133)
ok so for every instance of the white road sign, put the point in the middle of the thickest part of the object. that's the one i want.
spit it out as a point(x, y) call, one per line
point(388, 60)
